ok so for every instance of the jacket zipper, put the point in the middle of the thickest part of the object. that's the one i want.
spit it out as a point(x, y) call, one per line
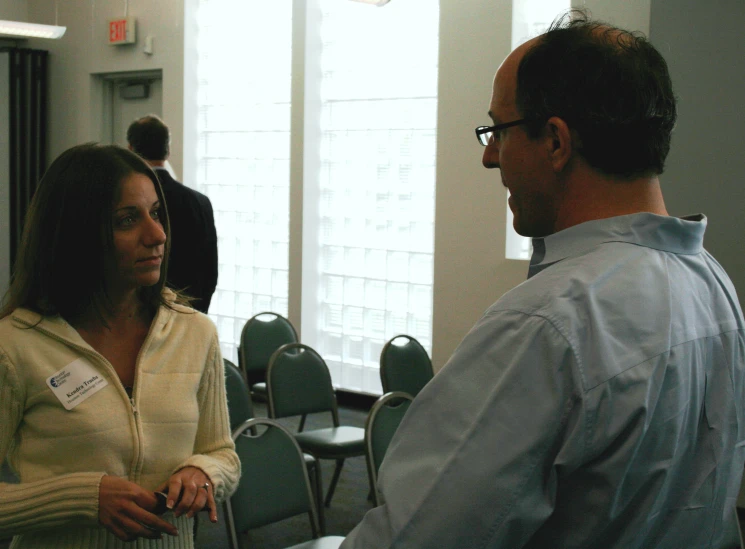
point(139, 454)
point(138, 457)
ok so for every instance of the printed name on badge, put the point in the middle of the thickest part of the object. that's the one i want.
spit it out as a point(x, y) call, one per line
point(75, 383)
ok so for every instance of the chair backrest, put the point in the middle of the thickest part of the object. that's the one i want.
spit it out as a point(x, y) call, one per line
point(240, 407)
point(382, 422)
point(274, 482)
point(263, 334)
point(298, 382)
point(404, 365)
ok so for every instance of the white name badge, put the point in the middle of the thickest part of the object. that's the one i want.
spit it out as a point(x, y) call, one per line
point(75, 383)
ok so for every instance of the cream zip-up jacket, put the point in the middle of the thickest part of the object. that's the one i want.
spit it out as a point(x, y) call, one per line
point(177, 417)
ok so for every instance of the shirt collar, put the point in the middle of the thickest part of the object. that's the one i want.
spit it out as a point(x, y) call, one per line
point(680, 235)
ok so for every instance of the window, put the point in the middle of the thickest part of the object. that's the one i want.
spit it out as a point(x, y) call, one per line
point(369, 199)
point(370, 108)
point(243, 151)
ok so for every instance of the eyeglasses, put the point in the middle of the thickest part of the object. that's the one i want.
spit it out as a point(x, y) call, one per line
point(485, 133)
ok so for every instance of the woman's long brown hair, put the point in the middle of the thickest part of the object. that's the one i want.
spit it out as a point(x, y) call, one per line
point(68, 235)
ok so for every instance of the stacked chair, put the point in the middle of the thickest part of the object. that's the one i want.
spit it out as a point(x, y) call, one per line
point(240, 407)
point(240, 410)
point(274, 484)
point(262, 334)
point(404, 366)
point(382, 423)
point(298, 383)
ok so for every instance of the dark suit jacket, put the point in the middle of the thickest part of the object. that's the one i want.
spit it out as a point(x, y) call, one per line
point(192, 266)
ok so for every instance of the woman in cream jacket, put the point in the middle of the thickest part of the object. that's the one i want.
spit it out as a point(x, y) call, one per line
point(111, 387)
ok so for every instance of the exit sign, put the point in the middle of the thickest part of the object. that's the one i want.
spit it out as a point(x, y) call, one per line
point(121, 31)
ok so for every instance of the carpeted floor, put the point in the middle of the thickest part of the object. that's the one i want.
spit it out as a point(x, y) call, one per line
point(349, 505)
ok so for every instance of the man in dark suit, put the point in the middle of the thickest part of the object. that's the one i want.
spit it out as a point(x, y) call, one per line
point(193, 261)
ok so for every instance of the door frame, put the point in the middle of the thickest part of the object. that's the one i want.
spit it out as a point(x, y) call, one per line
point(104, 86)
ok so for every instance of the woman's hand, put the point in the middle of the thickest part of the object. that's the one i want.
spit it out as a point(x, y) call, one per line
point(190, 491)
point(124, 509)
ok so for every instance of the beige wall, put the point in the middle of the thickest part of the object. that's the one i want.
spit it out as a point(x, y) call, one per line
point(471, 271)
point(75, 100)
point(628, 14)
point(17, 10)
point(702, 42)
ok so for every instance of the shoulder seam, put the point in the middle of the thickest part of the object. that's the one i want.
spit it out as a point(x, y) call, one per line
point(554, 324)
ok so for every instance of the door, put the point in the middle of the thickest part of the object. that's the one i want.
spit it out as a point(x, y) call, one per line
point(133, 100)
point(128, 96)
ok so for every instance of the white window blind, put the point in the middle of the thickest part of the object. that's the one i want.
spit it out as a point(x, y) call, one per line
point(370, 145)
point(243, 95)
point(529, 19)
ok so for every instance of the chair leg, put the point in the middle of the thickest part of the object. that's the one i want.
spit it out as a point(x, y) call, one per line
point(319, 499)
point(233, 536)
point(243, 541)
point(334, 480)
point(302, 424)
point(375, 498)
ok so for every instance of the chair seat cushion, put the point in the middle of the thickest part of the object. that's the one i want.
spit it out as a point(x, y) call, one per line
point(333, 442)
point(326, 542)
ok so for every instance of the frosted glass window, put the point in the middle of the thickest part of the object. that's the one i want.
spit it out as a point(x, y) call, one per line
point(371, 140)
point(529, 19)
point(243, 95)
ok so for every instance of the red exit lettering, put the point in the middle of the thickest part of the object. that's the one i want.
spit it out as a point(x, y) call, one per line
point(117, 30)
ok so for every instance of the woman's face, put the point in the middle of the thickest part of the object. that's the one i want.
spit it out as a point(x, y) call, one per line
point(139, 238)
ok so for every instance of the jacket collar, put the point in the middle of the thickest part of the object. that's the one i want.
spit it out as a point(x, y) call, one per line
point(59, 327)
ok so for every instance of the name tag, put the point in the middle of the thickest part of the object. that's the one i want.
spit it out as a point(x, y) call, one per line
point(75, 383)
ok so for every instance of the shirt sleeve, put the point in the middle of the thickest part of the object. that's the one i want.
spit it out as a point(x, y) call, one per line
point(41, 504)
point(473, 462)
point(214, 450)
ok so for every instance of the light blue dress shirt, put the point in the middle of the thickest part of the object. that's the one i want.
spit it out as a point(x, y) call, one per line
point(599, 404)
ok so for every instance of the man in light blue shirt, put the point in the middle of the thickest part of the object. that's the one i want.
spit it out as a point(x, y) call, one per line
point(599, 404)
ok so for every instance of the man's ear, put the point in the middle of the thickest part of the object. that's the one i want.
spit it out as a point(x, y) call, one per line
point(560, 141)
